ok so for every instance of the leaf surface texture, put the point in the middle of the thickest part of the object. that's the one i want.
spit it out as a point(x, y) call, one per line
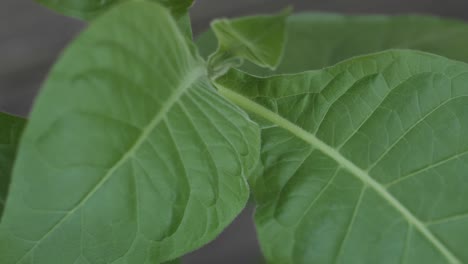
point(130, 155)
point(364, 162)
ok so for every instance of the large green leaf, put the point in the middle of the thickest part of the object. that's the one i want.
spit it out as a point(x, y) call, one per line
point(365, 162)
point(10, 131)
point(130, 155)
point(317, 40)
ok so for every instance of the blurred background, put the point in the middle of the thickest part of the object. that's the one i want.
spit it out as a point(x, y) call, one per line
point(31, 38)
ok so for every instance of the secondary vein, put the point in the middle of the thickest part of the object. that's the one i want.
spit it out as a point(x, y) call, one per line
point(184, 85)
point(362, 175)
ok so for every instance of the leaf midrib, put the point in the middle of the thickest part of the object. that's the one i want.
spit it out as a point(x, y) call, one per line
point(362, 175)
point(189, 79)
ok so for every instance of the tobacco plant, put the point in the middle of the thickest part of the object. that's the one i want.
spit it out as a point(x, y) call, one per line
point(348, 131)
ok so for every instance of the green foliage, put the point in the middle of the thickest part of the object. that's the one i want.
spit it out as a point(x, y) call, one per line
point(144, 161)
point(364, 162)
point(260, 39)
point(317, 40)
point(139, 151)
point(89, 9)
point(10, 131)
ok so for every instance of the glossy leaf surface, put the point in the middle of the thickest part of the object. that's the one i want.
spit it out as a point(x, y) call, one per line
point(364, 162)
point(317, 40)
point(10, 132)
point(130, 155)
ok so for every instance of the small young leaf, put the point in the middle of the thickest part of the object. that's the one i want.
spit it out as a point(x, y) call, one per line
point(259, 39)
point(10, 132)
point(130, 155)
point(364, 162)
point(316, 40)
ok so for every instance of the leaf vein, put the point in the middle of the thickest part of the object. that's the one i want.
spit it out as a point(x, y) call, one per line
point(184, 85)
point(362, 175)
point(407, 131)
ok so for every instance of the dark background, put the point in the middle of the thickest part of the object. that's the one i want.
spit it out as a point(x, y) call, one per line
point(31, 37)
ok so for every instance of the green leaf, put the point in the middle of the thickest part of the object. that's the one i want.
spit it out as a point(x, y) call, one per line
point(185, 25)
point(130, 155)
point(318, 40)
point(259, 39)
point(89, 9)
point(10, 131)
point(364, 162)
